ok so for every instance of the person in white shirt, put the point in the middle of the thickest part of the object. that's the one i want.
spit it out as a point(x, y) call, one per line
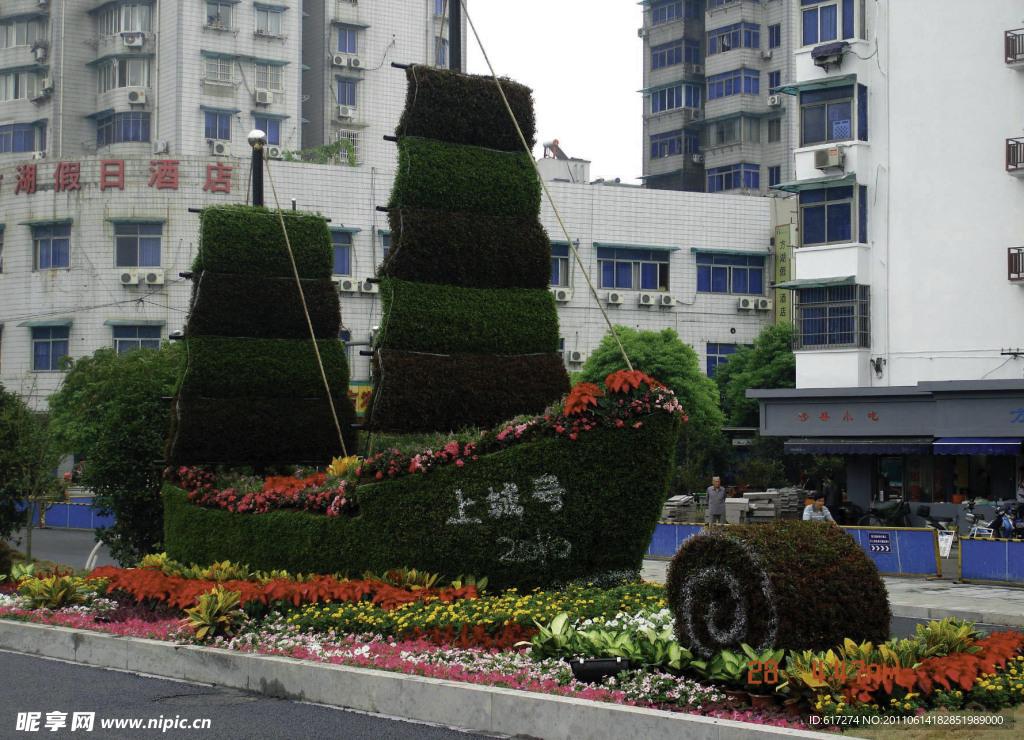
point(817, 512)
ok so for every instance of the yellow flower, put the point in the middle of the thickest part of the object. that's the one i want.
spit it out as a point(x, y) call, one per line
point(341, 465)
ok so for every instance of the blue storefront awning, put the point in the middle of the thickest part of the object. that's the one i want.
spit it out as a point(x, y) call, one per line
point(859, 446)
point(977, 446)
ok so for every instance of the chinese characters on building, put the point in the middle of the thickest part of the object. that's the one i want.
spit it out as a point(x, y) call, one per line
point(164, 175)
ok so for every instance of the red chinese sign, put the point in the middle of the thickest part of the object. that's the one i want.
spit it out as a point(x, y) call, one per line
point(825, 416)
point(67, 176)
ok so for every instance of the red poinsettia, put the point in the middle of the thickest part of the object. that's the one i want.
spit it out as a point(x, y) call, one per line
point(582, 395)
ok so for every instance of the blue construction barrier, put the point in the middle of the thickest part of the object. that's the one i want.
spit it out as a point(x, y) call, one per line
point(900, 551)
point(991, 561)
point(76, 513)
point(668, 536)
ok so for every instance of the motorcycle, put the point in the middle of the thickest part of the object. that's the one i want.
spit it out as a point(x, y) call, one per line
point(1007, 523)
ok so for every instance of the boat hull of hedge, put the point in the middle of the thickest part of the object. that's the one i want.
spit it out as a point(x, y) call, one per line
point(538, 514)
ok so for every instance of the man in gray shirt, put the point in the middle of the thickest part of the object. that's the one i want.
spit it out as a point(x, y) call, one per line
point(716, 501)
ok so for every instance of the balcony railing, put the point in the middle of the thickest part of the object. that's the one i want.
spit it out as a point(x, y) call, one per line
point(1014, 47)
point(1015, 156)
point(1015, 264)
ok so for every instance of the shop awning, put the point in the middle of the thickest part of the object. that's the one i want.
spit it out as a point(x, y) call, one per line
point(809, 283)
point(978, 446)
point(859, 446)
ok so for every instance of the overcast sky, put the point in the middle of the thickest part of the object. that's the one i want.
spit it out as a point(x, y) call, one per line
point(583, 60)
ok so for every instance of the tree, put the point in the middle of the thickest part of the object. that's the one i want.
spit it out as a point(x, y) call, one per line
point(770, 364)
point(111, 412)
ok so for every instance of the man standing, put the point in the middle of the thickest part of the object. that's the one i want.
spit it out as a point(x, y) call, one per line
point(716, 501)
point(832, 494)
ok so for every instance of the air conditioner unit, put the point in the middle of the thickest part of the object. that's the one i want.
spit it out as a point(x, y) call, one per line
point(355, 63)
point(667, 300)
point(368, 287)
point(133, 39)
point(273, 152)
point(130, 277)
point(774, 101)
point(648, 299)
point(563, 295)
point(766, 54)
point(339, 60)
point(264, 97)
point(161, 147)
point(831, 157)
point(220, 148)
point(153, 277)
point(346, 111)
point(696, 114)
point(137, 97)
point(763, 304)
point(348, 285)
point(697, 69)
point(39, 53)
point(39, 155)
point(697, 158)
point(642, 32)
point(46, 84)
point(575, 356)
point(746, 303)
point(615, 298)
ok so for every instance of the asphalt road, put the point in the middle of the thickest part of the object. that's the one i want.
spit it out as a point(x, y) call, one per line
point(64, 546)
point(49, 686)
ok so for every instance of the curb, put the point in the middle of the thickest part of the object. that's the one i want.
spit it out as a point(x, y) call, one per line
point(470, 707)
point(911, 611)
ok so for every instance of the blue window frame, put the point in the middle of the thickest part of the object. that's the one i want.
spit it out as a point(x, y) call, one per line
point(676, 96)
point(49, 344)
point(271, 127)
point(346, 336)
point(673, 11)
point(633, 269)
point(774, 36)
point(347, 92)
point(441, 45)
point(667, 144)
point(348, 40)
point(560, 264)
point(218, 125)
point(719, 3)
point(827, 115)
point(741, 81)
point(717, 353)
point(691, 142)
point(734, 177)
point(385, 243)
point(774, 80)
point(839, 316)
point(735, 274)
point(51, 245)
point(833, 215)
point(827, 20)
point(691, 52)
point(121, 127)
point(342, 241)
point(774, 175)
point(735, 36)
point(665, 55)
point(137, 244)
point(18, 137)
point(130, 338)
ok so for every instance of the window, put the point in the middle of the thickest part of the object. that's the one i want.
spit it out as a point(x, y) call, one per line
point(676, 96)
point(51, 246)
point(129, 17)
point(774, 175)
point(717, 354)
point(441, 47)
point(21, 32)
point(268, 77)
point(385, 243)
point(218, 69)
point(1, 257)
point(122, 127)
point(129, 338)
point(675, 10)
point(348, 40)
point(124, 72)
point(732, 131)
point(347, 92)
point(827, 21)
point(271, 127)
point(833, 215)
point(346, 336)
point(719, 3)
point(268, 21)
point(827, 115)
point(19, 85)
point(342, 241)
point(218, 125)
point(736, 36)
point(838, 316)
point(349, 153)
point(691, 52)
point(49, 344)
point(666, 55)
point(633, 269)
point(774, 36)
point(774, 80)
point(691, 142)
point(774, 130)
point(218, 15)
point(667, 144)
point(17, 137)
point(438, 7)
point(560, 264)
point(137, 245)
point(739, 81)
point(730, 273)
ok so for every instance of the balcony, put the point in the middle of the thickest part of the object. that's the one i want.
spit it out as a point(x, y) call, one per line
point(1015, 157)
point(1015, 265)
point(1014, 48)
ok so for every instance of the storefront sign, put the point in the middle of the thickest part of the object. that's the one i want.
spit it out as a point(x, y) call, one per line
point(110, 174)
point(879, 542)
point(783, 272)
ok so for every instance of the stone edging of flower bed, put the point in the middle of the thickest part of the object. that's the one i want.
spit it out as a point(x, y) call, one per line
point(448, 703)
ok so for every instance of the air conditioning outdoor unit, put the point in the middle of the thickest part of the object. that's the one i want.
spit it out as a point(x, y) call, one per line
point(264, 97)
point(563, 295)
point(615, 298)
point(368, 287)
point(763, 304)
point(274, 152)
point(39, 53)
point(220, 148)
point(766, 54)
point(346, 111)
point(348, 285)
point(339, 60)
point(355, 63)
point(46, 84)
point(133, 39)
point(697, 158)
point(648, 299)
point(153, 277)
point(39, 155)
point(696, 114)
point(745, 303)
point(642, 33)
point(774, 101)
point(137, 97)
point(667, 300)
point(831, 157)
point(161, 147)
point(574, 355)
point(130, 277)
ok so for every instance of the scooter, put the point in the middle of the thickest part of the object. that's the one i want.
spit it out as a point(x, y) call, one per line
point(1008, 523)
point(938, 523)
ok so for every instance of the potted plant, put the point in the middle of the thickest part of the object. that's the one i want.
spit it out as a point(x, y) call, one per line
point(730, 670)
point(762, 675)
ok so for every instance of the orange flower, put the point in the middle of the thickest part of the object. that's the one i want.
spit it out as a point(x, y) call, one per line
point(581, 396)
point(622, 381)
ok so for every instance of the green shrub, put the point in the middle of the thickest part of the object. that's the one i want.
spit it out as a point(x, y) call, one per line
point(248, 240)
point(455, 177)
point(459, 519)
point(228, 305)
point(423, 392)
point(451, 319)
point(5, 559)
point(790, 584)
point(449, 248)
point(482, 120)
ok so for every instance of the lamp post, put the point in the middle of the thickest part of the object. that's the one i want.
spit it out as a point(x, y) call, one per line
point(257, 140)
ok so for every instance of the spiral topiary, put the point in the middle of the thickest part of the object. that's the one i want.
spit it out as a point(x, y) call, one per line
point(790, 584)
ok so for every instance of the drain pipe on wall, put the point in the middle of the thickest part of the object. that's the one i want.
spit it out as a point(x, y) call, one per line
point(60, 95)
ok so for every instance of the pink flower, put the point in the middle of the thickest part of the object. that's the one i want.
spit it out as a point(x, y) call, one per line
point(459, 462)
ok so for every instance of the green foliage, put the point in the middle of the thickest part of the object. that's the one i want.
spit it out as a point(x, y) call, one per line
point(947, 636)
point(215, 615)
point(342, 151)
point(763, 472)
point(770, 364)
point(428, 522)
point(789, 584)
point(417, 392)
point(451, 319)
point(263, 307)
point(247, 240)
point(450, 248)
point(54, 592)
point(110, 412)
point(5, 559)
point(481, 119)
point(729, 668)
point(454, 177)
